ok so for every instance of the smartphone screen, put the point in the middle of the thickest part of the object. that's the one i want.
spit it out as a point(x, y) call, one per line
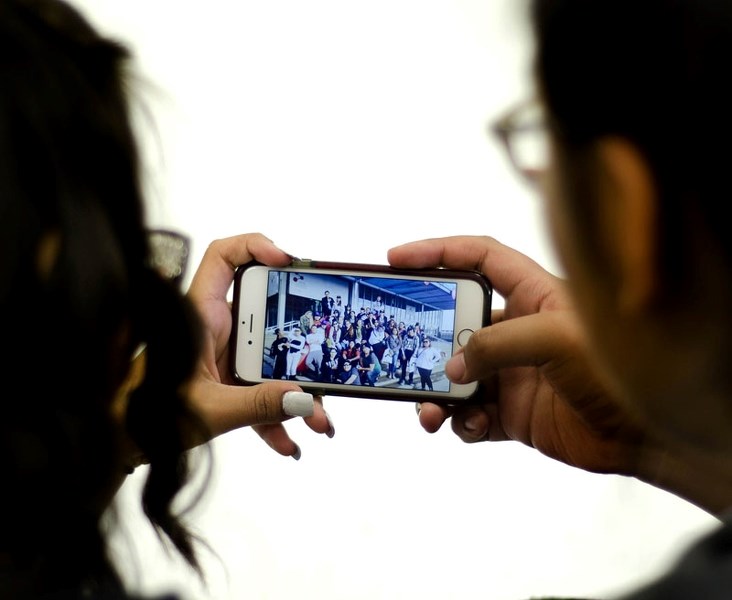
point(356, 332)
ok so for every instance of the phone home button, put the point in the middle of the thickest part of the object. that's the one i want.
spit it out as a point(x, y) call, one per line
point(463, 336)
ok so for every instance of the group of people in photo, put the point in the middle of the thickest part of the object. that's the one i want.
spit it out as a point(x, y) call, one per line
point(338, 344)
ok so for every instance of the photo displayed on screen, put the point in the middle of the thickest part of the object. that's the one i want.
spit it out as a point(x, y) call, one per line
point(359, 330)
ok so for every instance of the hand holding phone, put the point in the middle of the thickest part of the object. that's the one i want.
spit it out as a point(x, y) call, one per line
point(356, 329)
point(222, 405)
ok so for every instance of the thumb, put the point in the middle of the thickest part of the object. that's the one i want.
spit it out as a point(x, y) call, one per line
point(224, 408)
point(527, 341)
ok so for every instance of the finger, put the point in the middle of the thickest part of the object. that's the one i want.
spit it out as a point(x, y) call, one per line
point(478, 424)
point(471, 424)
point(227, 407)
point(214, 275)
point(432, 416)
point(505, 267)
point(532, 340)
point(321, 421)
point(277, 438)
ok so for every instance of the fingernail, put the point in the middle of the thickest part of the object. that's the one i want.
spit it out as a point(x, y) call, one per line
point(418, 407)
point(471, 424)
point(331, 430)
point(297, 454)
point(298, 404)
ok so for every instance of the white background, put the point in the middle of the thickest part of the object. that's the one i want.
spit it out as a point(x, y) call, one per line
point(340, 129)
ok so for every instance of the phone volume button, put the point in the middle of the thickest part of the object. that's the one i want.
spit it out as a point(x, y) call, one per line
point(301, 262)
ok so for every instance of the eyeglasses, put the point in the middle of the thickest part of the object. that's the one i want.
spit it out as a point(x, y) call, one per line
point(523, 133)
point(169, 253)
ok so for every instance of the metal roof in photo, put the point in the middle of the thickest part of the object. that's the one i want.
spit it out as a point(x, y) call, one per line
point(431, 294)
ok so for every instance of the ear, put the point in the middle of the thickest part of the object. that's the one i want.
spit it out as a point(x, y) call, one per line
point(630, 210)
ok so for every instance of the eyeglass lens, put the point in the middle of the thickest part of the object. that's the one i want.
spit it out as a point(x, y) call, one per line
point(530, 151)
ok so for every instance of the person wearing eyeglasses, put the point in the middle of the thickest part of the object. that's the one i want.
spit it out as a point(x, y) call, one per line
point(108, 364)
point(349, 375)
point(623, 366)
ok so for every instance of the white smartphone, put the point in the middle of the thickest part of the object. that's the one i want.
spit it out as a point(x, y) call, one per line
point(354, 329)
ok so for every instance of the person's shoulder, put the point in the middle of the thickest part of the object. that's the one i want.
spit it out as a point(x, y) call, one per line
point(704, 571)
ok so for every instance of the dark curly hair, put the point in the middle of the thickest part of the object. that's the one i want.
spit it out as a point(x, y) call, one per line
point(78, 296)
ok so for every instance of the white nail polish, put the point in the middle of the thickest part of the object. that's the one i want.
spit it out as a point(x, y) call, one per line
point(298, 404)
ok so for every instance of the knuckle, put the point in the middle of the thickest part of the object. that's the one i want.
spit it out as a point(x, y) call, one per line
point(267, 407)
